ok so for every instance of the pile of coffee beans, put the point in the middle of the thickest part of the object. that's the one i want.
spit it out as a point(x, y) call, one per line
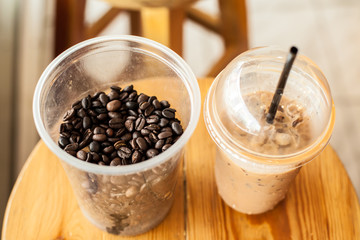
point(118, 128)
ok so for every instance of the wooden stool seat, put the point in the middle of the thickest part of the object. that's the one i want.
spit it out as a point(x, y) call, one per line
point(321, 204)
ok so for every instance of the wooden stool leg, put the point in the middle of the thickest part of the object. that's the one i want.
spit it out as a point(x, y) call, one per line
point(233, 22)
point(164, 26)
point(69, 23)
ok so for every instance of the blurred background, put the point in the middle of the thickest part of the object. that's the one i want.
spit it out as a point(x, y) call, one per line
point(207, 33)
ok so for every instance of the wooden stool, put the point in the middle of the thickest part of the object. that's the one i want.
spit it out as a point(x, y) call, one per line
point(160, 20)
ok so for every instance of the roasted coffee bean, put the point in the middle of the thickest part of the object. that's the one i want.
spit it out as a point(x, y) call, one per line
point(113, 139)
point(153, 137)
point(95, 157)
point(132, 113)
point(78, 125)
point(104, 99)
point(129, 125)
point(108, 149)
point(129, 88)
point(81, 113)
point(131, 118)
point(124, 152)
point(113, 105)
point(136, 134)
point(147, 139)
point(113, 95)
point(99, 130)
point(120, 132)
point(175, 139)
point(144, 105)
point(96, 104)
point(152, 119)
point(86, 122)
point(141, 142)
point(116, 123)
point(94, 146)
point(96, 95)
point(115, 88)
point(99, 137)
point(102, 116)
point(165, 104)
point(88, 157)
point(164, 134)
point(168, 113)
point(71, 152)
point(165, 147)
point(149, 110)
point(159, 144)
point(157, 113)
point(136, 157)
point(113, 155)
point(115, 115)
point(76, 105)
point(65, 134)
point(81, 155)
point(163, 122)
point(123, 95)
point(133, 144)
point(115, 162)
point(119, 144)
point(69, 115)
point(105, 144)
point(105, 159)
point(132, 96)
point(152, 153)
point(139, 124)
point(63, 142)
point(109, 132)
point(166, 129)
point(168, 140)
point(131, 105)
point(104, 126)
point(151, 99)
point(101, 163)
point(126, 137)
point(75, 138)
point(71, 147)
point(142, 98)
point(145, 132)
point(100, 110)
point(156, 104)
point(176, 127)
point(153, 127)
point(85, 102)
point(91, 113)
point(87, 138)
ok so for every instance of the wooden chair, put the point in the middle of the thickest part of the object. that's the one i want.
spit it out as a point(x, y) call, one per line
point(159, 20)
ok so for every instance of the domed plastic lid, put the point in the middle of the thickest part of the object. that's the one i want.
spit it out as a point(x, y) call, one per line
point(240, 97)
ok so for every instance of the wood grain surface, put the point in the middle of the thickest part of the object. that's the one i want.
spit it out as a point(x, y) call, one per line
point(321, 204)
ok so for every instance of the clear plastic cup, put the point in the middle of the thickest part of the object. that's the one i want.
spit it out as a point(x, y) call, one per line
point(256, 162)
point(131, 199)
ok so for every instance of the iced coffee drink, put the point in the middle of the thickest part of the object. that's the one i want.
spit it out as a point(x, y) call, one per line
point(253, 192)
point(257, 160)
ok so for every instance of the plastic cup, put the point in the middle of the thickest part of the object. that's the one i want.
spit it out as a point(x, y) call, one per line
point(252, 175)
point(131, 199)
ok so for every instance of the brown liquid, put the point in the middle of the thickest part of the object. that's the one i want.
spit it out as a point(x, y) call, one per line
point(254, 192)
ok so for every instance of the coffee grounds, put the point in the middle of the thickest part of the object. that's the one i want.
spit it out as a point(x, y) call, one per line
point(119, 128)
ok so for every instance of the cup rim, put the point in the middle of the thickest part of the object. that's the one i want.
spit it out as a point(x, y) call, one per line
point(189, 80)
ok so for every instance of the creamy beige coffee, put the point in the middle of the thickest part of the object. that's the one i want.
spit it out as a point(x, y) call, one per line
point(250, 191)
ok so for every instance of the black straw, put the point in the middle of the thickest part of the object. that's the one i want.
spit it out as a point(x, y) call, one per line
point(281, 85)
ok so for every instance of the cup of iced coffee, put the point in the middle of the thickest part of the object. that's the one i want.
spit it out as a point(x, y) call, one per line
point(118, 111)
point(257, 161)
